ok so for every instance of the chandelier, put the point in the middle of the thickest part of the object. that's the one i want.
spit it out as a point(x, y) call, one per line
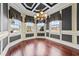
point(40, 15)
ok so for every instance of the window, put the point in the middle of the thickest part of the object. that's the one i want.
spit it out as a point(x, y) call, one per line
point(15, 25)
point(40, 26)
point(55, 26)
point(67, 18)
point(30, 27)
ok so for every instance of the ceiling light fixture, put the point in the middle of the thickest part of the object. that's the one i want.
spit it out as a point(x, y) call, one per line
point(40, 15)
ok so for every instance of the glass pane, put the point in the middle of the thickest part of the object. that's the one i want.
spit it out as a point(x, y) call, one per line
point(15, 25)
point(40, 26)
point(30, 27)
point(55, 26)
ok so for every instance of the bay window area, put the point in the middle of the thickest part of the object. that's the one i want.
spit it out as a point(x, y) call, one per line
point(61, 26)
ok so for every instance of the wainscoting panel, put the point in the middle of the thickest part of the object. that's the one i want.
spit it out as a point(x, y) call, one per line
point(47, 34)
point(67, 38)
point(40, 34)
point(29, 35)
point(5, 42)
point(55, 36)
point(15, 38)
point(77, 39)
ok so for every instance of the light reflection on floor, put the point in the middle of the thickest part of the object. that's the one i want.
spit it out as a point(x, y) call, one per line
point(40, 48)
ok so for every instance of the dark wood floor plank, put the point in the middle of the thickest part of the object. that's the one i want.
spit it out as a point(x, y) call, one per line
point(50, 47)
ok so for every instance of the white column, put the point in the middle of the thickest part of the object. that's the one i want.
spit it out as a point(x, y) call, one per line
point(49, 28)
point(74, 23)
point(9, 25)
point(1, 25)
point(61, 26)
point(45, 27)
point(22, 28)
point(4, 18)
point(35, 33)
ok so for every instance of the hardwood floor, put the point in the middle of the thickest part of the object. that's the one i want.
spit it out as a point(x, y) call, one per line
point(41, 47)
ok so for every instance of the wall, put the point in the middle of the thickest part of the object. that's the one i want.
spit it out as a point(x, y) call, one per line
point(4, 17)
point(0, 17)
point(3, 26)
point(68, 35)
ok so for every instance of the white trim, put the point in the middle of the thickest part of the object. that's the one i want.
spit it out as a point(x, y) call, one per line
point(40, 31)
point(47, 30)
point(58, 7)
point(1, 17)
point(28, 6)
point(30, 32)
point(45, 8)
point(57, 33)
point(36, 6)
point(77, 33)
point(74, 23)
point(67, 32)
point(28, 38)
point(14, 34)
point(3, 35)
point(47, 5)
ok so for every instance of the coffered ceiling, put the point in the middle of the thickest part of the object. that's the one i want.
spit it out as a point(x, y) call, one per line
point(38, 6)
point(31, 8)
